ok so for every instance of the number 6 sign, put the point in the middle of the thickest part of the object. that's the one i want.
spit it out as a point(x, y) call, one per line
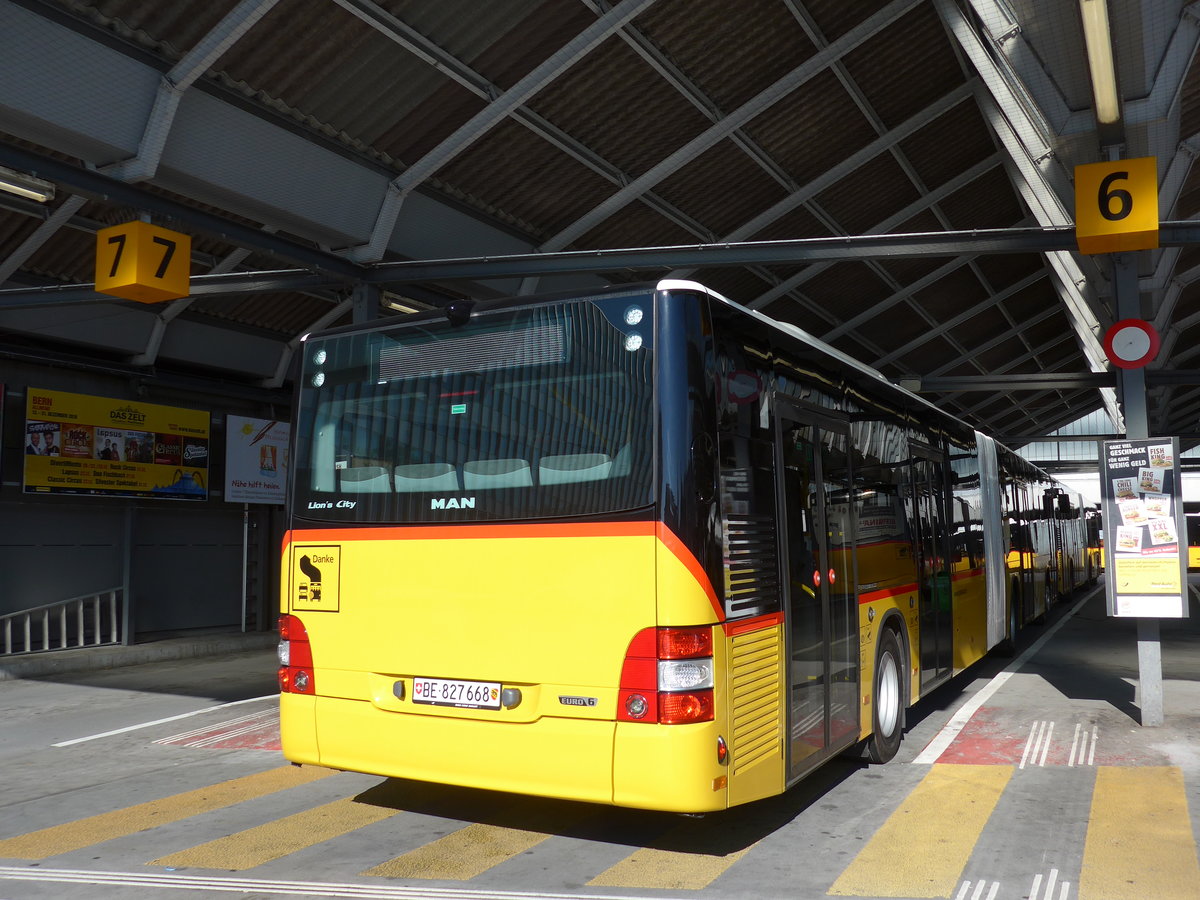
point(1116, 205)
point(140, 261)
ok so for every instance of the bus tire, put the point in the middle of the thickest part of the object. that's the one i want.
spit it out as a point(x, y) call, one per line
point(887, 705)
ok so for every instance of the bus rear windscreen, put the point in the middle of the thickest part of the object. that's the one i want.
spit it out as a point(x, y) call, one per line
point(528, 413)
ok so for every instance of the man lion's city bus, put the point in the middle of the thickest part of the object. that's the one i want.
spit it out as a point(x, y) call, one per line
point(641, 546)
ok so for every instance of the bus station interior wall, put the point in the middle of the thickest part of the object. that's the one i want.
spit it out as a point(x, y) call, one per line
point(185, 558)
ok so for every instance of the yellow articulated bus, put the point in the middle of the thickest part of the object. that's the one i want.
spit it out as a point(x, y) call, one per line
point(641, 547)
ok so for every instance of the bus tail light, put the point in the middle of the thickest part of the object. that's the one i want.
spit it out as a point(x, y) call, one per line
point(667, 677)
point(295, 657)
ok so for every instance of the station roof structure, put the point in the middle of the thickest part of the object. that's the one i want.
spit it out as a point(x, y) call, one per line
point(895, 178)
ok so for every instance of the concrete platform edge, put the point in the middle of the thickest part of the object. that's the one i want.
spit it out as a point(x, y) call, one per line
point(63, 662)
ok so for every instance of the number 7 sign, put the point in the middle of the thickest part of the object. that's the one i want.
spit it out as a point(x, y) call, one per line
point(140, 261)
point(1116, 205)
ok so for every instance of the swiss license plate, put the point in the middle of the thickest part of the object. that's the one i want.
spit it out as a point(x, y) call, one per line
point(463, 694)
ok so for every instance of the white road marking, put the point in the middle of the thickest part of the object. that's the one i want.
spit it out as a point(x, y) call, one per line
point(944, 738)
point(187, 715)
point(157, 882)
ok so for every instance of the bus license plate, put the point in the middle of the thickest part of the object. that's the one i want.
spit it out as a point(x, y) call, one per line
point(463, 694)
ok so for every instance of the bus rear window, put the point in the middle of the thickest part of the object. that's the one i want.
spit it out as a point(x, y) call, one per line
point(544, 411)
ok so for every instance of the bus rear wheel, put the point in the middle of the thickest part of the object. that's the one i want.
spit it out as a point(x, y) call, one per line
point(887, 706)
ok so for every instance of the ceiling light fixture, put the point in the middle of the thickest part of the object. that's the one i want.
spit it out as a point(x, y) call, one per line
point(401, 304)
point(27, 186)
point(1098, 37)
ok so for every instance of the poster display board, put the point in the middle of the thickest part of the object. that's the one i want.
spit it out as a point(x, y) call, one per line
point(101, 446)
point(1144, 528)
point(256, 460)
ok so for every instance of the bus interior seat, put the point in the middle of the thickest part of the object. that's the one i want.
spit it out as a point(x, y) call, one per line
point(364, 480)
point(426, 477)
point(497, 473)
point(572, 467)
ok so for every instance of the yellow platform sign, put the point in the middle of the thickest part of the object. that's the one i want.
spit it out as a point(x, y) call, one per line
point(1116, 205)
point(140, 261)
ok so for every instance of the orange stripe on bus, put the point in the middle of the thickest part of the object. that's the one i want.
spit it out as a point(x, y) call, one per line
point(758, 623)
point(885, 593)
point(684, 555)
point(483, 532)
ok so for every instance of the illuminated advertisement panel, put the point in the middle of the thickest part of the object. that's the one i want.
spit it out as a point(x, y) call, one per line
point(100, 446)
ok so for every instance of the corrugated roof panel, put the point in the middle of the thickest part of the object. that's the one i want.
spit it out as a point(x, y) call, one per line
point(931, 355)
point(331, 70)
point(793, 225)
point(812, 129)
point(1004, 269)
point(863, 200)
point(846, 289)
point(996, 358)
point(983, 325)
point(901, 325)
point(951, 294)
point(637, 226)
point(697, 36)
point(836, 17)
point(504, 42)
point(722, 187)
point(614, 103)
point(520, 174)
point(897, 82)
point(987, 202)
point(949, 144)
point(171, 28)
point(1024, 305)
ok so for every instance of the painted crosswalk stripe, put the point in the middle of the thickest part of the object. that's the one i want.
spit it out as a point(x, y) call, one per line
point(1139, 838)
point(650, 867)
point(122, 822)
point(947, 810)
point(654, 867)
point(461, 855)
point(279, 838)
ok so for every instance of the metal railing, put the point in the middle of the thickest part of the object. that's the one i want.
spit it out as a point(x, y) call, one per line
point(87, 621)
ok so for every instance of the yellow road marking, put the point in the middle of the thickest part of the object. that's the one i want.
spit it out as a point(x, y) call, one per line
point(462, 855)
point(666, 870)
point(943, 816)
point(259, 845)
point(1139, 838)
point(144, 816)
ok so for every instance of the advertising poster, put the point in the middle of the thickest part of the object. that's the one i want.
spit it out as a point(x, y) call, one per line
point(100, 446)
point(256, 460)
point(1143, 520)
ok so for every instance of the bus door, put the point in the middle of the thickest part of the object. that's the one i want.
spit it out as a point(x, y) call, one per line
point(930, 531)
point(820, 600)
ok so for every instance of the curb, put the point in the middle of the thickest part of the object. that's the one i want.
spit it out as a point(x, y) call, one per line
point(87, 659)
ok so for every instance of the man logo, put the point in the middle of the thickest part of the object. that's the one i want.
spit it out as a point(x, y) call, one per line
point(452, 503)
